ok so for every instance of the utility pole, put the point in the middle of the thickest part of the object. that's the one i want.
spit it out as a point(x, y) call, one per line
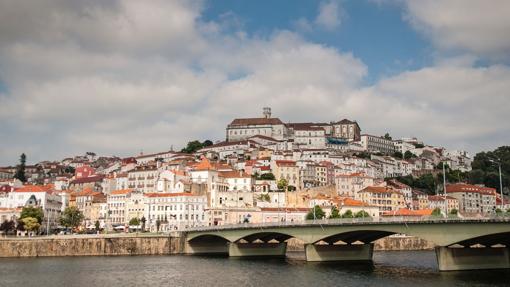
point(501, 186)
point(48, 224)
point(500, 181)
point(444, 189)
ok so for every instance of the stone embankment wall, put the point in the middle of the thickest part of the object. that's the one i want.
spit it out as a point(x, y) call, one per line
point(90, 246)
point(385, 244)
point(147, 245)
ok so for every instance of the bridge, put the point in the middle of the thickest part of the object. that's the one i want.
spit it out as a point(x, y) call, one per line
point(462, 243)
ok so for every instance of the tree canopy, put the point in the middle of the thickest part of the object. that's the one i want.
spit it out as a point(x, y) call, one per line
point(20, 169)
point(335, 213)
point(7, 226)
point(436, 212)
point(195, 145)
point(485, 168)
point(31, 223)
point(315, 213)
point(34, 212)
point(71, 217)
point(348, 214)
point(361, 214)
point(282, 184)
point(134, 221)
point(267, 176)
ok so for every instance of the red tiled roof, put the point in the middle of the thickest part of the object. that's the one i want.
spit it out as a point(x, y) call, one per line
point(168, 194)
point(256, 121)
point(285, 163)
point(379, 189)
point(121, 191)
point(233, 174)
point(94, 178)
point(408, 212)
point(6, 188)
point(288, 209)
point(439, 197)
point(462, 187)
point(36, 188)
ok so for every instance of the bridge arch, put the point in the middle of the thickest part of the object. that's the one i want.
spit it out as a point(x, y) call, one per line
point(208, 238)
point(265, 236)
point(488, 240)
point(349, 237)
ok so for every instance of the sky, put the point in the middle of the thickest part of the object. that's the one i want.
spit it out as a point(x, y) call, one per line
point(125, 76)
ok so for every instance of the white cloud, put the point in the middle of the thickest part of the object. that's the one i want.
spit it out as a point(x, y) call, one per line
point(460, 107)
point(330, 15)
point(74, 85)
point(473, 26)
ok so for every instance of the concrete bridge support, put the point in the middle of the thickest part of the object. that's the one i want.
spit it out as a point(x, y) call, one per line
point(451, 259)
point(347, 252)
point(206, 248)
point(237, 250)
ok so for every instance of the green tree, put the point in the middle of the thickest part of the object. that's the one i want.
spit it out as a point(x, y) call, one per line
point(361, 214)
point(97, 225)
point(7, 226)
point(31, 224)
point(282, 184)
point(134, 221)
point(143, 220)
point(454, 212)
point(348, 214)
point(408, 155)
point(195, 145)
point(158, 225)
point(387, 136)
point(35, 212)
point(436, 212)
point(485, 170)
point(335, 213)
point(498, 211)
point(397, 154)
point(71, 217)
point(315, 213)
point(20, 170)
point(267, 176)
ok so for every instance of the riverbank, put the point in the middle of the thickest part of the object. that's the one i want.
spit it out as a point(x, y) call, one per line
point(147, 244)
point(91, 245)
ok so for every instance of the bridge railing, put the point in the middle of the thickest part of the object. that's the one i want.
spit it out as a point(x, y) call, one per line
point(355, 221)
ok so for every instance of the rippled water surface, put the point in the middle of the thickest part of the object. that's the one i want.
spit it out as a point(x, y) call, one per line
point(397, 268)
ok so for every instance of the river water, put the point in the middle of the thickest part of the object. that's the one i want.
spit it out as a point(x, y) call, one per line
point(395, 268)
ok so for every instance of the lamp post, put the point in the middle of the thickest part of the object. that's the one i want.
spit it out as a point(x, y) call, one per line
point(500, 180)
point(444, 189)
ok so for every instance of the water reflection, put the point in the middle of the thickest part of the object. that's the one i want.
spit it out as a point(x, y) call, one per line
point(388, 269)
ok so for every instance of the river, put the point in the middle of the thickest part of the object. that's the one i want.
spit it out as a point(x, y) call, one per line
point(395, 268)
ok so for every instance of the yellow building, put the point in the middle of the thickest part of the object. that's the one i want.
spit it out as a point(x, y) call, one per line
point(288, 170)
point(386, 198)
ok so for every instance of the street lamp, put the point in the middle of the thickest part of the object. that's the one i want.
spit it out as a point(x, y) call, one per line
point(444, 189)
point(500, 180)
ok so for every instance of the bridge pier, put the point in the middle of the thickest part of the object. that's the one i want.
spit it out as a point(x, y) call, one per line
point(257, 249)
point(347, 252)
point(204, 248)
point(451, 259)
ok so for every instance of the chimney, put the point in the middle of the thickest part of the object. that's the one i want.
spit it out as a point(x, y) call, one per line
point(266, 112)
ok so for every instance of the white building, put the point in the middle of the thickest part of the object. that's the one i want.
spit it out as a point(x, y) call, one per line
point(241, 129)
point(377, 144)
point(143, 178)
point(40, 196)
point(174, 211)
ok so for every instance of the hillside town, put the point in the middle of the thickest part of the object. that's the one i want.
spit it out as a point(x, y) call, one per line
point(265, 170)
